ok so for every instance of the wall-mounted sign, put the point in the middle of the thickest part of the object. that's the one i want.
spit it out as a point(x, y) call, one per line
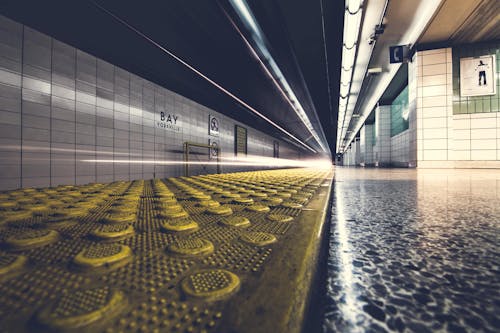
point(214, 149)
point(477, 76)
point(168, 121)
point(240, 140)
point(398, 54)
point(213, 125)
point(276, 149)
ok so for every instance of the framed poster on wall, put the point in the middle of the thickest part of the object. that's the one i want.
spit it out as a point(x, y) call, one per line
point(478, 76)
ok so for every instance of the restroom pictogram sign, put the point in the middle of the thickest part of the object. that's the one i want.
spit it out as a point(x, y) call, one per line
point(213, 125)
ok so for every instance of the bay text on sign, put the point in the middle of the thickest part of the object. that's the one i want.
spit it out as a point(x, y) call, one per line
point(168, 121)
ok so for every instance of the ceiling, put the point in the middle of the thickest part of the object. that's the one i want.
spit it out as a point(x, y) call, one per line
point(303, 37)
point(418, 23)
point(470, 21)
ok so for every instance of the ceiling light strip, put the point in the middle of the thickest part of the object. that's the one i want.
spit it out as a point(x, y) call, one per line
point(245, 14)
point(264, 67)
point(355, 105)
point(224, 90)
point(425, 13)
point(352, 22)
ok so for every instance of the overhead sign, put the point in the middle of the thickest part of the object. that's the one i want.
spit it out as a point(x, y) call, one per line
point(168, 121)
point(213, 125)
point(398, 54)
point(477, 76)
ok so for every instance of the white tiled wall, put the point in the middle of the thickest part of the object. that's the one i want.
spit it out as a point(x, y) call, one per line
point(400, 152)
point(436, 137)
point(62, 111)
point(357, 151)
point(476, 136)
point(347, 157)
point(434, 104)
point(366, 145)
point(352, 155)
point(382, 149)
point(444, 139)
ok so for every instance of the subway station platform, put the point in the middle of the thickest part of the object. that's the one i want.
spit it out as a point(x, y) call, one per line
point(105, 105)
point(216, 253)
point(414, 250)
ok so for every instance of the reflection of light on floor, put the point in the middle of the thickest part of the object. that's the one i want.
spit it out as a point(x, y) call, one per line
point(350, 307)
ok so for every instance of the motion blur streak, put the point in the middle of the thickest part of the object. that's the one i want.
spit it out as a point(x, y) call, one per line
point(240, 161)
point(192, 68)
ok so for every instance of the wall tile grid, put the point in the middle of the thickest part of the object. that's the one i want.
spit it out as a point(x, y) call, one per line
point(351, 156)
point(434, 135)
point(61, 110)
point(362, 146)
point(400, 152)
point(357, 155)
point(382, 148)
point(476, 120)
point(347, 157)
point(366, 145)
point(400, 129)
point(412, 116)
point(454, 131)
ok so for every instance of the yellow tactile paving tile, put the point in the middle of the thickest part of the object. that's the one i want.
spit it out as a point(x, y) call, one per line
point(170, 255)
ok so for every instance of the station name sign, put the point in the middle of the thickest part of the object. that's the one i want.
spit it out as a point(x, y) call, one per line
point(168, 121)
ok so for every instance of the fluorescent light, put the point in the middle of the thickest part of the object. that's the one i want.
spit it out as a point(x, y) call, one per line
point(344, 90)
point(348, 56)
point(353, 5)
point(424, 13)
point(375, 70)
point(351, 28)
point(271, 67)
point(352, 22)
point(245, 12)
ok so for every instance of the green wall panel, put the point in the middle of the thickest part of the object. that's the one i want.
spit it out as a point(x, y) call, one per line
point(399, 113)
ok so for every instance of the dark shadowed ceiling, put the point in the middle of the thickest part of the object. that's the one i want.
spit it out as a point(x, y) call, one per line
point(203, 33)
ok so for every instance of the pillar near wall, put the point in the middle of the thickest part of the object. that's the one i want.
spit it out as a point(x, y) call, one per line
point(382, 148)
point(357, 152)
point(366, 145)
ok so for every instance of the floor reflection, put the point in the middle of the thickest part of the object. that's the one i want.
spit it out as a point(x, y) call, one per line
point(414, 251)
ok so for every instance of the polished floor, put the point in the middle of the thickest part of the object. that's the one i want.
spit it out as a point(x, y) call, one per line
point(414, 251)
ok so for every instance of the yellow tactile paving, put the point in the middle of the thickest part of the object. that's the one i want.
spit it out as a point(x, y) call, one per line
point(167, 255)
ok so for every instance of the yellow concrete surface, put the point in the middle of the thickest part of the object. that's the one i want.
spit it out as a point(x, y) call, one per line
point(212, 253)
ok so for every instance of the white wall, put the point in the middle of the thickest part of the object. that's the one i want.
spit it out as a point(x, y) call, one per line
point(382, 149)
point(443, 139)
point(63, 111)
point(350, 156)
point(366, 145)
point(400, 149)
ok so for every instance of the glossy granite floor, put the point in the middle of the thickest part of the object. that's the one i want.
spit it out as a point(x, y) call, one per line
point(414, 251)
